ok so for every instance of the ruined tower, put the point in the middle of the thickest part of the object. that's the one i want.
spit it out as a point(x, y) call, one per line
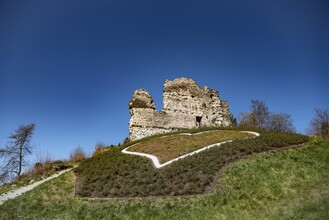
point(185, 105)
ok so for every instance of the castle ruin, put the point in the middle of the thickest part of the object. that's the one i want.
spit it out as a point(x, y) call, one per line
point(185, 105)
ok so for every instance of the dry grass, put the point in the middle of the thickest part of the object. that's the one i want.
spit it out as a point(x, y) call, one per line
point(38, 172)
point(169, 147)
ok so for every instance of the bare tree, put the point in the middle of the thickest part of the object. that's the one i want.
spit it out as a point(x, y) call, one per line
point(244, 119)
point(280, 122)
point(260, 117)
point(319, 125)
point(3, 176)
point(257, 117)
point(17, 149)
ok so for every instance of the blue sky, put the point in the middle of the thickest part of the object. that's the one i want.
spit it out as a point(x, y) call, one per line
point(71, 66)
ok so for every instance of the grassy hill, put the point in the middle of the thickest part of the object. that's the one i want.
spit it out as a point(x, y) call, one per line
point(169, 147)
point(118, 175)
point(288, 184)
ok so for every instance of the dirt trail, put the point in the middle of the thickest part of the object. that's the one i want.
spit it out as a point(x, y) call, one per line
point(17, 192)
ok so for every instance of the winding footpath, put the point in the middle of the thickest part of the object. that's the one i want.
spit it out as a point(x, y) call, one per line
point(17, 192)
point(156, 161)
point(14, 193)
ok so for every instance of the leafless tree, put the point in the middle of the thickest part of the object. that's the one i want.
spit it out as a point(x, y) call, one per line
point(3, 176)
point(260, 117)
point(280, 122)
point(17, 149)
point(319, 125)
point(257, 117)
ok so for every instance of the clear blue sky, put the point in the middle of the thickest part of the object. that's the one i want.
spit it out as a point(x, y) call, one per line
point(71, 66)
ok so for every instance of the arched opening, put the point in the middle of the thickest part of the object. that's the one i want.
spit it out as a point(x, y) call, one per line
point(198, 121)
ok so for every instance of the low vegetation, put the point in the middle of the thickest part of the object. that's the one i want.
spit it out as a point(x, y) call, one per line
point(77, 155)
point(100, 148)
point(290, 184)
point(38, 172)
point(319, 125)
point(114, 174)
point(169, 147)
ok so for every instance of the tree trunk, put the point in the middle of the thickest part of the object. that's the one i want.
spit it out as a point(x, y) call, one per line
point(20, 160)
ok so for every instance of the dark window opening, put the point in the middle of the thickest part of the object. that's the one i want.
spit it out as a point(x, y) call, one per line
point(198, 121)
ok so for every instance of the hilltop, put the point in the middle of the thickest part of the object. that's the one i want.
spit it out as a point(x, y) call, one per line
point(288, 180)
point(116, 175)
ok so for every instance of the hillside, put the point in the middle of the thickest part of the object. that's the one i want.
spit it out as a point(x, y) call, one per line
point(172, 146)
point(289, 184)
point(118, 175)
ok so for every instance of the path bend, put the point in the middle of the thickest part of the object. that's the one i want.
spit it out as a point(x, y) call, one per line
point(156, 161)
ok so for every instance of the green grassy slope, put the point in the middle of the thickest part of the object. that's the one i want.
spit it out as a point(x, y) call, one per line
point(40, 172)
point(114, 174)
point(290, 184)
point(169, 147)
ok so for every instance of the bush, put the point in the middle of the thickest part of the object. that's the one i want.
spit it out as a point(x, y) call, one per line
point(319, 126)
point(77, 155)
point(59, 165)
point(41, 170)
point(100, 148)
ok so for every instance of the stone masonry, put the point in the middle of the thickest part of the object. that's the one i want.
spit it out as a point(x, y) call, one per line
point(185, 105)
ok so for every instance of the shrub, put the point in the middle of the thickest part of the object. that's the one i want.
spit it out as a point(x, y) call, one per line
point(319, 126)
point(100, 148)
point(59, 165)
point(45, 169)
point(78, 155)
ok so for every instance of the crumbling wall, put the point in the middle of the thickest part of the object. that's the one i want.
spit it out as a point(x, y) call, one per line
point(185, 105)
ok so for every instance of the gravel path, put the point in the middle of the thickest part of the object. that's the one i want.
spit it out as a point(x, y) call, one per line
point(13, 194)
point(156, 161)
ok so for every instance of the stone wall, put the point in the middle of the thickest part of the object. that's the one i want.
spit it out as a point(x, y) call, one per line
point(185, 105)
